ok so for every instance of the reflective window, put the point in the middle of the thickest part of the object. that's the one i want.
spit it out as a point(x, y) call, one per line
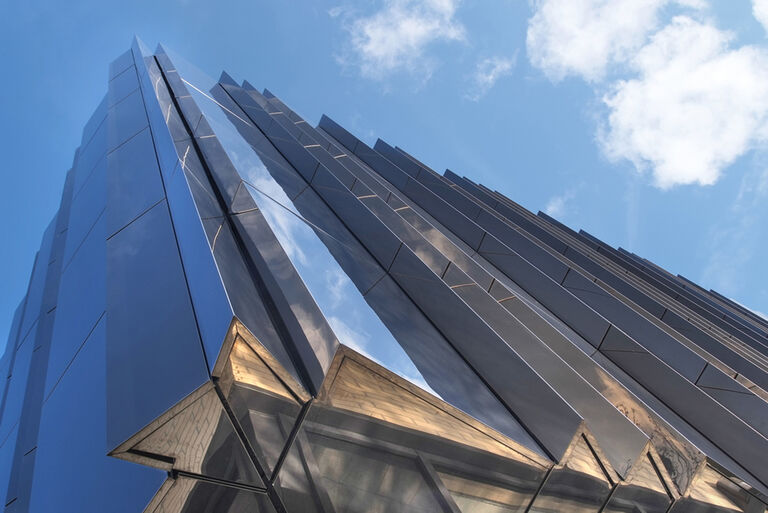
point(187, 495)
point(372, 442)
point(362, 479)
point(350, 317)
point(580, 485)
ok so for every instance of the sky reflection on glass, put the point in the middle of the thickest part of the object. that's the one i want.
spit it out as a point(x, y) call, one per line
point(353, 321)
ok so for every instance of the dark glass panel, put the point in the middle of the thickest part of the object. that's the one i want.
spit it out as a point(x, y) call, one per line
point(80, 302)
point(212, 307)
point(86, 208)
point(580, 485)
point(371, 439)
point(197, 436)
point(90, 155)
point(154, 353)
point(37, 282)
point(187, 495)
point(133, 181)
point(96, 119)
point(120, 64)
point(72, 471)
point(259, 398)
point(7, 449)
point(122, 85)
point(17, 384)
point(362, 479)
point(126, 118)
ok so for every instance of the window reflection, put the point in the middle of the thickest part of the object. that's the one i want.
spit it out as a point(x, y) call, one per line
point(475, 495)
point(580, 485)
point(374, 442)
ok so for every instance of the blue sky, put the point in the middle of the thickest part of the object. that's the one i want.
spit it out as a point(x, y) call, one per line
point(644, 122)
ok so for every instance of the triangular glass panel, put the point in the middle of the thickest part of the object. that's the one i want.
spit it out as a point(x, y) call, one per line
point(644, 490)
point(262, 404)
point(580, 484)
point(373, 441)
point(197, 438)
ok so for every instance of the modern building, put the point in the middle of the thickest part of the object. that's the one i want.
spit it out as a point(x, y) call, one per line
point(236, 311)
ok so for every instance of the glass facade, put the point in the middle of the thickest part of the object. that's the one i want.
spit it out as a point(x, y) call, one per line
point(237, 311)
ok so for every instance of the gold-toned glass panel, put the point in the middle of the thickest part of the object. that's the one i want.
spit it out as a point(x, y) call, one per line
point(579, 486)
point(260, 400)
point(372, 441)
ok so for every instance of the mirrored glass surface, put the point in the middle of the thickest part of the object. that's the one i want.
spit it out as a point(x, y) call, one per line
point(481, 493)
point(579, 485)
point(352, 320)
point(198, 437)
point(87, 206)
point(72, 471)
point(260, 400)
point(153, 341)
point(133, 181)
point(36, 289)
point(213, 310)
point(81, 301)
point(711, 492)
point(126, 118)
point(17, 384)
point(186, 495)
point(7, 449)
point(372, 441)
point(122, 85)
point(644, 489)
point(90, 155)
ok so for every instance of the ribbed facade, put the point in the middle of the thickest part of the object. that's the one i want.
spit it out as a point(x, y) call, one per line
point(236, 311)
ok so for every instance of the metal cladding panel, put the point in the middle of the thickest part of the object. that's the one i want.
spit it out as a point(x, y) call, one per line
point(71, 465)
point(284, 319)
point(133, 181)
point(154, 354)
point(213, 309)
point(17, 384)
point(81, 302)
point(37, 283)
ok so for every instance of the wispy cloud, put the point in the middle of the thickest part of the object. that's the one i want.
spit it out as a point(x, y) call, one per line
point(397, 37)
point(356, 339)
point(336, 284)
point(557, 206)
point(487, 73)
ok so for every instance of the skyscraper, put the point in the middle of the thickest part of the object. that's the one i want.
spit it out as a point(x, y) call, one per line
point(235, 311)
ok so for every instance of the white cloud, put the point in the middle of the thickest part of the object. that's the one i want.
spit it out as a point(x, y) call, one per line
point(396, 37)
point(760, 11)
point(557, 206)
point(694, 108)
point(583, 37)
point(336, 285)
point(691, 103)
point(487, 73)
point(357, 340)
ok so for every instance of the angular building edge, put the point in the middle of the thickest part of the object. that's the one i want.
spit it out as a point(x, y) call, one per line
point(506, 360)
